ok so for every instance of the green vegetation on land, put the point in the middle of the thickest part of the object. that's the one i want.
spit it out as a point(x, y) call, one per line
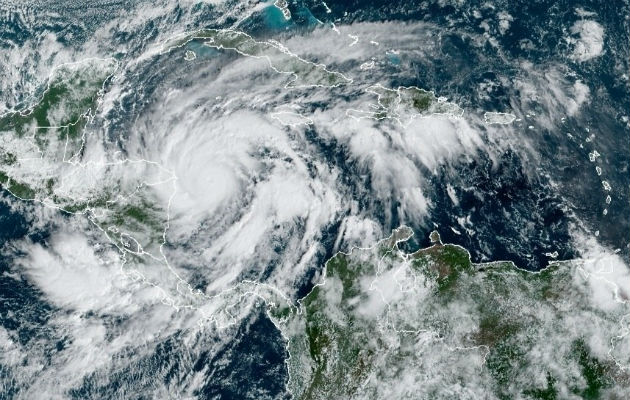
point(362, 328)
point(304, 73)
point(70, 95)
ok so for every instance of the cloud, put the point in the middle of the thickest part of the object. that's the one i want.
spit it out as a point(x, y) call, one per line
point(73, 274)
point(97, 314)
point(505, 19)
point(252, 199)
point(590, 43)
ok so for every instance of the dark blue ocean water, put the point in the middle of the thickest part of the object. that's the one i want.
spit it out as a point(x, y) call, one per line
point(519, 218)
point(24, 311)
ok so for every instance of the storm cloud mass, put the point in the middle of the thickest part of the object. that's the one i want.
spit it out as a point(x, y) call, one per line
point(227, 150)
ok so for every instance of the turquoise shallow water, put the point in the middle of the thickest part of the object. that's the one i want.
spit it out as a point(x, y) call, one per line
point(274, 18)
point(519, 206)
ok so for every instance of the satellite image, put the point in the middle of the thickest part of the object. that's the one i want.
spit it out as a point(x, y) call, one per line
point(309, 199)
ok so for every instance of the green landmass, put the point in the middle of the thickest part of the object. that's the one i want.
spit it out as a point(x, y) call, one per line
point(453, 328)
point(56, 123)
point(71, 94)
point(406, 103)
point(304, 73)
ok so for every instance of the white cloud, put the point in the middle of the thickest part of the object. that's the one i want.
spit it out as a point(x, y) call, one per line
point(72, 275)
point(505, 19)
point(590, 43)
point(251, 195)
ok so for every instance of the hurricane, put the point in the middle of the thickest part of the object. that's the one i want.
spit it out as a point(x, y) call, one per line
point(273, 200)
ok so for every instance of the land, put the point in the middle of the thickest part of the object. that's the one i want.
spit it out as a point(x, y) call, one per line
point(435, 319)
point(498, 118)
point(404, 104)
point(302, 73)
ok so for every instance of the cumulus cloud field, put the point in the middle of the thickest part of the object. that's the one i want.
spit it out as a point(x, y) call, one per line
point(248, 177)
